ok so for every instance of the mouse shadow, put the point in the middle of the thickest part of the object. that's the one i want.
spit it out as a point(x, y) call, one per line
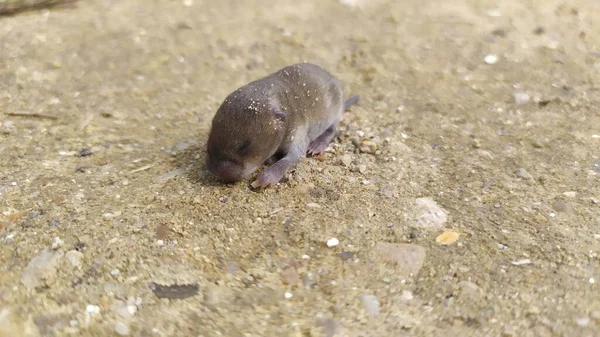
point(192, 161)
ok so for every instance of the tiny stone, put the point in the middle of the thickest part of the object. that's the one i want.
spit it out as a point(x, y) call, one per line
point(508, 332)
point(368, 146)
point(409, 258)
point(290, 276)
point(57, 243)
point(288, 295)
point(122, 329)
point(570, 194)
point(583, 321)
point(74, 257)
point(491, 59)
point(371, 304)
point(346, 160)
point(596, 166)
point(53, 223)
point(560, 206)
point(224, 199)
point(406, 295)
point(92, 309)
point(534, 311)
point(522, 173)
point(84, 152)
point(521, 98)
point(346, 256)
point(313, 205)
point(429, 214)
point(521, 262)
point(333, 242)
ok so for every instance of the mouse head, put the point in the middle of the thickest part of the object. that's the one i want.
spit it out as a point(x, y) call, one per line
point(243, 135)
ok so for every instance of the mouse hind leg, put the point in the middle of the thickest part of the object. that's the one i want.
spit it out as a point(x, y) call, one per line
point(320, 143)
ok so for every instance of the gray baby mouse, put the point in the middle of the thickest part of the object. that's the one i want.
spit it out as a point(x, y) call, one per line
point(275, 120)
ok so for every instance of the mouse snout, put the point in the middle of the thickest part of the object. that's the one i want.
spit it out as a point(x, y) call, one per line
point(226, 170)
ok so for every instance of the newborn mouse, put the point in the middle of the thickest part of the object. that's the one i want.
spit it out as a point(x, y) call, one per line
point(275, 120)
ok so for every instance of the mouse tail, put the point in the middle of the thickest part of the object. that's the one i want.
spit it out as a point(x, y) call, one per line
point(351, 101)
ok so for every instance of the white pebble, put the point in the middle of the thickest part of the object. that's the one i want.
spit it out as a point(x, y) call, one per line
point(592, 280)
point(306, 257)
point(160, 243)
point(521, 262)
point(93, 309)
point(491, 59)
point(115, 272)
point(57, 243)
point(333, 242)
point(583, 321)
point(288, 295)
point(521, 98)
point(122, 329)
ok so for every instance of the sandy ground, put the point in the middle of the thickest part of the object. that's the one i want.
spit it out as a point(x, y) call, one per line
point(463, 189)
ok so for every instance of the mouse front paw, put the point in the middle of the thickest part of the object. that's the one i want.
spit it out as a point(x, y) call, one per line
point(265, 178)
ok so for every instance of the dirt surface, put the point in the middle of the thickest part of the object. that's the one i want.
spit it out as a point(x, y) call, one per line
point(473, 150)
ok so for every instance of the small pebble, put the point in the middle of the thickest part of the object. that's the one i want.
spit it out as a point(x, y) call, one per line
point(333, 242)
point(346, 160)
point(74, 257)
point(57, 243)
point(429, 214)
point(406, 295)
point(93, 309)
point(122, 329)
point(596, 166)
point(521, 262)
point(521, 98)
point(583, 321)
point(368, 146)
point(346, 256)
point(491, 59)
point(560, 206)
point(313, 205)
point(84, 153)
point(523, 174)
point(288, 295)
point(371, 304)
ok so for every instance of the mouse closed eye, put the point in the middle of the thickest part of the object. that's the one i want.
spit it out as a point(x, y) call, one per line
point(244, 147)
